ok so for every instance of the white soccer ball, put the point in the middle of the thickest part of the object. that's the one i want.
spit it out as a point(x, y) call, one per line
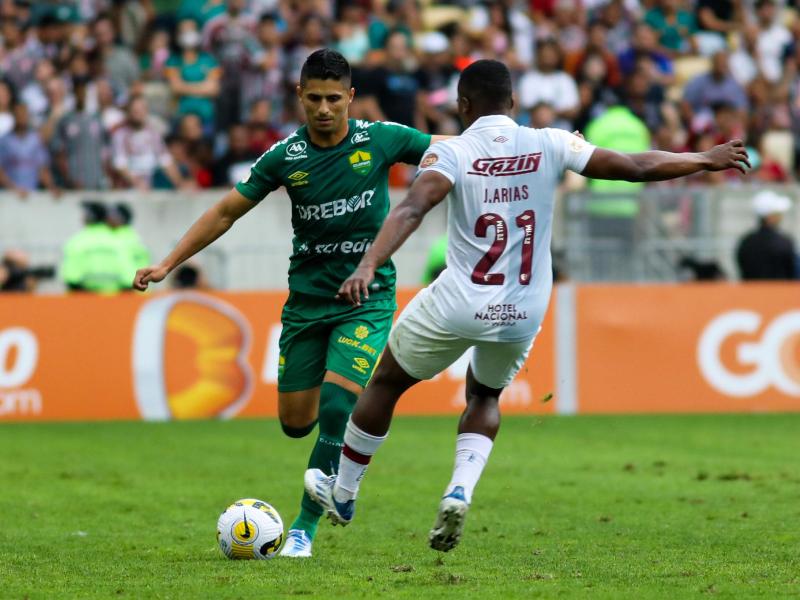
point(250, 529)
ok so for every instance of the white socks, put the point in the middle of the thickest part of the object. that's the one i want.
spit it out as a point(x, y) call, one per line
point(357, 451)
point(472, 452)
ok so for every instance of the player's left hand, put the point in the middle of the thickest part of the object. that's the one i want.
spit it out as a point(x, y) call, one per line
point(356, 286)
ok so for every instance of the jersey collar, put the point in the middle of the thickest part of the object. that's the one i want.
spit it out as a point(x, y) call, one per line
point(493, 121)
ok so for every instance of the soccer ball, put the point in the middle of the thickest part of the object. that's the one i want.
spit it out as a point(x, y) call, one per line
point(250, 528)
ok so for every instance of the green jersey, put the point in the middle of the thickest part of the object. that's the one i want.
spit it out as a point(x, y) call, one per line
point(340, 198)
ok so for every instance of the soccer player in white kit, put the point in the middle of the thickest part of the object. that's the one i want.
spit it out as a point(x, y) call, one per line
point(500, 180)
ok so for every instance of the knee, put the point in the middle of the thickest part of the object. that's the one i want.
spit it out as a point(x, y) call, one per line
point(297, 428)
point(296, 421)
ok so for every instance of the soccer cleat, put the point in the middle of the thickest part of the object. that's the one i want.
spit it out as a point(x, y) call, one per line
point(320, 487)
point(298, 544)
point(449, 524)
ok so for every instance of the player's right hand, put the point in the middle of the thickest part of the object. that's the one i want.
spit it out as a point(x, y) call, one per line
point(356, 286)
point(730, 155)
point(153, 273)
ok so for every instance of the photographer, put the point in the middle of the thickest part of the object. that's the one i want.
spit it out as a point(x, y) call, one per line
point(16, 274)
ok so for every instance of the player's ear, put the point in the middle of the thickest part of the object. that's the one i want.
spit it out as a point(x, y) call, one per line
point(351, 95)
point(299, 90)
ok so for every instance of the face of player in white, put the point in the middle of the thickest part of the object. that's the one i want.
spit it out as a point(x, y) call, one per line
point(326, 103)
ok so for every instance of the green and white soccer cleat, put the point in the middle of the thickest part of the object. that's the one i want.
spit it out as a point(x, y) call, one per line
point(298, 544)
point(449, 524)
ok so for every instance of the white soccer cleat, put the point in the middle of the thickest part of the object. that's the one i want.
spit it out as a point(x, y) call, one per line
point(449, 524)
point(298, 544)
point(320, 487)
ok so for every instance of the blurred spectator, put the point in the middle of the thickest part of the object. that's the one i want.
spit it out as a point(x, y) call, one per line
point(119, 218)
point(233, 166)
point(311, 37)
point(24, 160)
point(742, 62)
point(153, 60)
point(542, 115)
point(16, 274)
point(34, 93)
point(20, 54)
point(674, 26)
point(435, 78)
point(6, 104)
point(193, 75)
point(198, 148)
point(507, 18)
point(231, 37)
point(394, 15)
point(580, 64)
point(715, 20)
point(138, 150)
point(79, 146)
point(111, 115)
point(189, 276)
point(714, 87)
point(119, 63)
point(394, 85)
point(765, 253)
point(265, 76)
point(177, 148)
point(94, 261)
point(644, 51)
point(350, 32)
point(643, 98)
point(773, 42)
point(262, 135)
point(60, 102)
point(619, 20)
point(548, 83)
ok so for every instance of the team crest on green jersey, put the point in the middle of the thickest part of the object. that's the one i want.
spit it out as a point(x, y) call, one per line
point(361, 161)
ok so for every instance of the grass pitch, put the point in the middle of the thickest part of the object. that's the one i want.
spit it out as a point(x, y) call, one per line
point(586, 507)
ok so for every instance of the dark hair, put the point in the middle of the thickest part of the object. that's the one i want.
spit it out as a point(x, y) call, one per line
point(487, 84)
point(325, 64)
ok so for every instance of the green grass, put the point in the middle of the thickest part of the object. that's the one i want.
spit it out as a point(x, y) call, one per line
point(587, 507)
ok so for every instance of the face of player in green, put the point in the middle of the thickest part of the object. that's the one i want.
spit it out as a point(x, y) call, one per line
point(326, 103)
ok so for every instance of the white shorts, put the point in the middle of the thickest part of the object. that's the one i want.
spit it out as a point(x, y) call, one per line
point(424, 349)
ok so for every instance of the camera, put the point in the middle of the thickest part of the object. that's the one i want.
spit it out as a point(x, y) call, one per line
point(14, 278)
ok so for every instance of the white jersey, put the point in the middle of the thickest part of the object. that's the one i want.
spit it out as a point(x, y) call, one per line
point(499, 271)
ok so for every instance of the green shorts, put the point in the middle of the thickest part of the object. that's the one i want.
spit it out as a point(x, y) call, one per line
point(322, 335)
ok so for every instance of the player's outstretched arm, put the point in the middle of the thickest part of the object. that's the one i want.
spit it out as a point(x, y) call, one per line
point(428, 190)
point(211, 224)
point(658, 166)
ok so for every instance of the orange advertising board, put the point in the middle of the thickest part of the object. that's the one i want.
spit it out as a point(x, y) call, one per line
point(182, 355)
point(688, 348)
point(602, 349)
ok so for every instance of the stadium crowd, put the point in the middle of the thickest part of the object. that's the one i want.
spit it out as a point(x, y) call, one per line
point(164, 94)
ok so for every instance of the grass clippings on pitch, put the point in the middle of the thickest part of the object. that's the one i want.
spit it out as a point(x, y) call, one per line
point(586, 507)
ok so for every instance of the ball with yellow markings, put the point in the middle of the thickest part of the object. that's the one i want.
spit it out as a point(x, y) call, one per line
point(250, 529)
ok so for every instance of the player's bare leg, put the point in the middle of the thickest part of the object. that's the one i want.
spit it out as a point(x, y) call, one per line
point(477, 429)
point(366, 431)
point(297, 411)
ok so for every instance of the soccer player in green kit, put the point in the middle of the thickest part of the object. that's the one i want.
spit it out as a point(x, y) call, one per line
point(336, 172)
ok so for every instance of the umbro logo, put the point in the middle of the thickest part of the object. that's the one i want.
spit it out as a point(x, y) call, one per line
point(500, 139)
point(298, 175)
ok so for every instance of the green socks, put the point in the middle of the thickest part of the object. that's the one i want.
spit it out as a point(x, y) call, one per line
point(335, 406)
